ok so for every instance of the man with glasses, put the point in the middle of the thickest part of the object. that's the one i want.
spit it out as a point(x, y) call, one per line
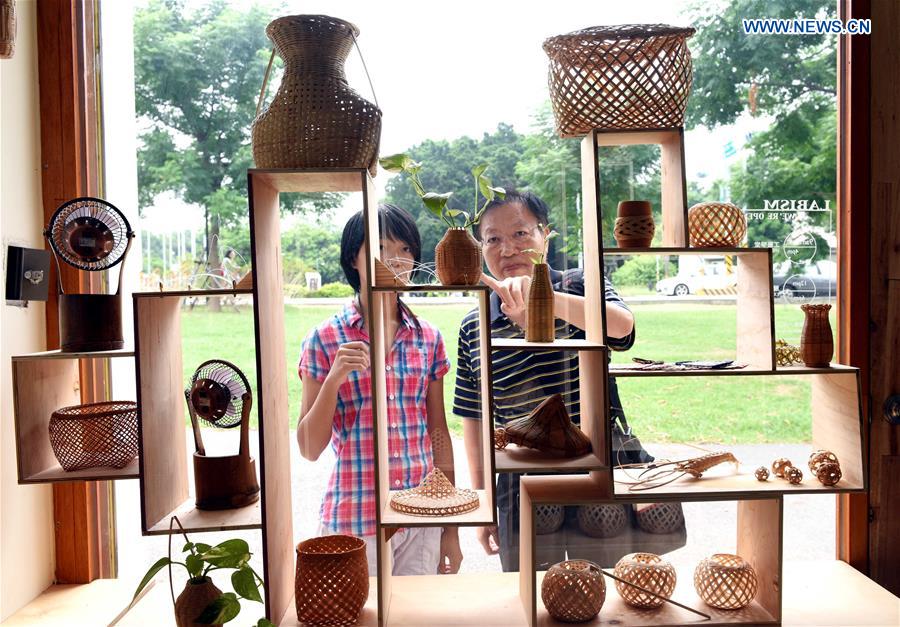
point(522, 379)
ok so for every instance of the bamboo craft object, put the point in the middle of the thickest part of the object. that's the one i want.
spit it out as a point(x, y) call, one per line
point(95, 435)
point(457, 258)
point(716, 225)
point(541, 320)
point(634, 226)
point(649, 571)
point(725, 581)
point(816, 338)
point(435, 496)
point(573, 591)
point(547, 429)
point(332, 580)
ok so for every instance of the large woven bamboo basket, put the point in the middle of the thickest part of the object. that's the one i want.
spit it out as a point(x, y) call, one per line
point(315, 120)
point(95, 435)
point(332, 580)
point(635, 76)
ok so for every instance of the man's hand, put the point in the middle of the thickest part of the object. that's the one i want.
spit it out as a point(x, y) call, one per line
point(513, 293)
point(451, 555)
point(350, 356)
point(488, 538)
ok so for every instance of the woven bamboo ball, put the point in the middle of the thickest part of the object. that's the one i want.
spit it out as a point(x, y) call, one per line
point(794, 475)
point(762, 473)
point(660, 517)
point(716, 224)
point(573, 591)
point(602, 521)
point(548, 518)
point(500, 439)
point(787, 354)
point(649, 571)
point(821, 456)
point(725, 581)
point(780, 465)
point(828, 473)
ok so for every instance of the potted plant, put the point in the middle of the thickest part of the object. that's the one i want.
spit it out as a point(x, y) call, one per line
point(201, 602)
point(457, 256)
point(541, 319)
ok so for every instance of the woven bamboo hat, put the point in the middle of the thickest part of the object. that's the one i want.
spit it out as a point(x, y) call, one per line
point(435, 496)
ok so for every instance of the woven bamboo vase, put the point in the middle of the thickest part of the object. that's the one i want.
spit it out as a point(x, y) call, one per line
point(573, 591)
point(634, 224)
point(816, 339)
point(332, 580)
point(457, 258)
point(315, 120)
point(541, 324)
point(197, 594)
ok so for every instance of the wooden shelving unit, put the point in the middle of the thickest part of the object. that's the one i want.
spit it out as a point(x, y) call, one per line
point(43, 383)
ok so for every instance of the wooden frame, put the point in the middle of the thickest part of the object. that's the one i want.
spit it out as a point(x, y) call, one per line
point(759, 541)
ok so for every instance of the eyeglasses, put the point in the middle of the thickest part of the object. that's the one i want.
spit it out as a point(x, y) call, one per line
point(520, 239)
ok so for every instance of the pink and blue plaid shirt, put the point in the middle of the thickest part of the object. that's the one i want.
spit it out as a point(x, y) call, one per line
point(417, 357)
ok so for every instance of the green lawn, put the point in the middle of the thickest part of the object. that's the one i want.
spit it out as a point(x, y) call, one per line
point(692, 409)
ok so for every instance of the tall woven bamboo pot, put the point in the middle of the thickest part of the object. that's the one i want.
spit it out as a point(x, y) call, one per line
point(816, 338)
point(315, 120)
point(541, 323)
point(197, 594)
point(457, 258)
point(331, 581)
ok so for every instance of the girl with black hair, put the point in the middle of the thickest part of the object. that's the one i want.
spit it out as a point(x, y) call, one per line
point(336, 405)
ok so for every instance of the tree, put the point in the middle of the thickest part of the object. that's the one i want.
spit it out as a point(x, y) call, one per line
point(197, 79)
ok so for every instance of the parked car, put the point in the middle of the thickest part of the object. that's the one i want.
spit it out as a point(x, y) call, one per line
point(816, 279)
point(713, 278)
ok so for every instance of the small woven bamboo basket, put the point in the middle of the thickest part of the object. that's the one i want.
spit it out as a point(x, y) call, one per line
point(548, 518)
point(716, 225)
point(332, 580)
point(602, 521)
point(660, 517)
point(635, 76)
point(725, 581)
point(435, 496)
point(649, 571)
point(573, 591)
point(95, 435)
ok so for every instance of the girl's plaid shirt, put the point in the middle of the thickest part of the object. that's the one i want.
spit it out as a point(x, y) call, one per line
point(417, 357)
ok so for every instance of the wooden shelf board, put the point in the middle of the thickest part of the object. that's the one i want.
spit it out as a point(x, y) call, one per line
point(58, 354)
point(99, 602)
point(516, 458)
point(566, 490)
point(193, 519)
point(484, 515)
point(56, 473)
point(673, 250)
point(721, 481)
point(746, 372)
point(311, 179)
point(626, 137)
point(832, 369)
point(524, 345)
point(430, 288)
point(616, 612)
point(183, 293)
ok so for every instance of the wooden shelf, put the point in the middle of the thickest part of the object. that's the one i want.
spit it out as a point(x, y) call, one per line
point(430, 288)
point(615, 370)
point(185, 293)
point(556, 345)
point(680, 250)
point(56, 473)
point(484, 515)
point(516, 458)
point(311, 179)
point(58, 354)
point(194, 520)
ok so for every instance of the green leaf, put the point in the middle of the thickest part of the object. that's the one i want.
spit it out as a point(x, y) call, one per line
point(499, 191)
point(160, 563)
point(455, 213)
point(194, 565)
point(244, 583)
point(479, 169)
point(187, 547)
point(265, 622)
point(229, 554)
point(222, 610)
point(201, 547)
point(436, 202)
point(395, 163)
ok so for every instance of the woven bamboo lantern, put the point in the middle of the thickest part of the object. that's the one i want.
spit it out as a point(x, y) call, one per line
point(573, 591)
point(548, 518)
point(660, 517)
point(725, 581)
point(716, 225)
point(95, 435)
point(602, 521)
point(635, 76)
point(649, 571)
point(634, 224)
point(332, 580)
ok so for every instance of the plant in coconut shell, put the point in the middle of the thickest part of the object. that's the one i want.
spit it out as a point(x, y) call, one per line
point(201, 602)
point(457, 256)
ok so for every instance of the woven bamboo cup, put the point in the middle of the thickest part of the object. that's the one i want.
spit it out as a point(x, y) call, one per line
point(457, 258)
point(816, 338)
point(725, 581)
point(332, 580)
point(541, 321)
point(634, 224)
point(649, 571)
point(573, 591)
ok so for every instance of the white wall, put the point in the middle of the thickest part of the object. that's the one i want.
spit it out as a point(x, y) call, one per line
point(26, 512)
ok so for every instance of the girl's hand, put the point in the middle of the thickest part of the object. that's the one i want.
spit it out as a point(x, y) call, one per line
point(451, 555)
point(489, 539)
point(350, 356)
point(513, 293)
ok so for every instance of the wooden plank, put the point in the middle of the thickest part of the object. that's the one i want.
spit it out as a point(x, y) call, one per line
point(39, 389)
point(488, 462)
point(430, 288)
point(565, 490)
point(636, 137)
point(272, 392)
point(594, 395)
point(837, 424)
point(836, 369)
point(516, 458)
point(697, 252)
point(755, 311)
point(56, 474)
point(674, 190)
point(95, 603)
point(884, 542)
point(195, 520)
point(195, 293)
point(527, 565)
point(311, 180)
point(160, 397)
point(58, 354)
point(480, 517)
point(561, 344)
point(759, 541)
point(595, 308)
